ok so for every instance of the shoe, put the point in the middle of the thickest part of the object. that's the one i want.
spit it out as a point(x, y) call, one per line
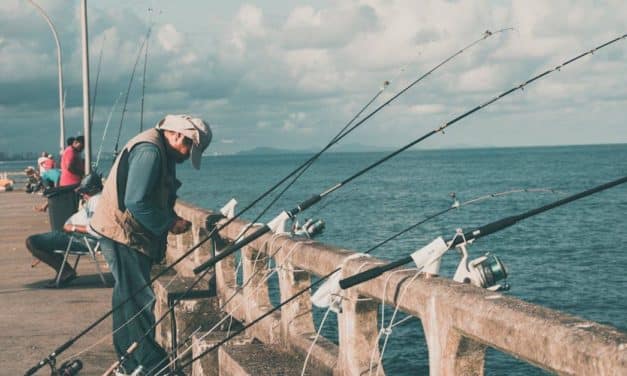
point(62, 283)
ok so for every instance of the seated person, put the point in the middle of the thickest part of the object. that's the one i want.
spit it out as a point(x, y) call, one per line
point(33, 180)
point(50, 178)
point(42, 246)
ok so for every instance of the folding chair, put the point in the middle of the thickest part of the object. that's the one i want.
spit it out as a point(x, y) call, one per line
point(93, 246)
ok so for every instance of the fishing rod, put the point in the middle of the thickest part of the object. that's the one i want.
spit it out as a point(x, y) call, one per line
point(333, 286)
point(285, 215)
point(52, 356)
point(439, 247)
point(301, 170)
point(128, 90)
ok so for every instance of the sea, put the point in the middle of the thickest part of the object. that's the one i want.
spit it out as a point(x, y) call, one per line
point(570, 259)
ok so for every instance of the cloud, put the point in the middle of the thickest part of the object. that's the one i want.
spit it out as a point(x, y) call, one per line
point(170, 39)
point(307, 27)
point(294, 122)
point(264, 74)
point(427, 109)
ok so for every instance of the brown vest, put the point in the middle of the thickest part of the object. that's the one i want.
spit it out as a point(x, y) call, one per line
point(112, 220)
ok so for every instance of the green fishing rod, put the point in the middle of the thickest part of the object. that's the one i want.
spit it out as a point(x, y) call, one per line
point(440, 247)
point(285, 215)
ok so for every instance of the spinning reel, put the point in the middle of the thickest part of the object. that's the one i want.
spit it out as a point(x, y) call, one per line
point(485, 271)
point(309, 229)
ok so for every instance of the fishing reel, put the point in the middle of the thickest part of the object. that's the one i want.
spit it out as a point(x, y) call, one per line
point(69, 368)
point(485, 271)
point(139, 371)
point(309, 229)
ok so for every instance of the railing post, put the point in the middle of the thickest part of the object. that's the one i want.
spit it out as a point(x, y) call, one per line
point(358, 331)
point(450, 353)
point(297, 316)
point(256, 296)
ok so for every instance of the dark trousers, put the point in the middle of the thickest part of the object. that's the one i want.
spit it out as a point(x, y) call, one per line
point(42, 246)
point(131, 271)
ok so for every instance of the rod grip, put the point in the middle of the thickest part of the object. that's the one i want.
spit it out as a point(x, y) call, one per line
point(33, 370)
point(372, 273)
point(305, 204)
point(231, 249)
point(361, 277)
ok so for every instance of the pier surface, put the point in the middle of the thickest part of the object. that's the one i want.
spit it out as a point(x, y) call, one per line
point(34, 320)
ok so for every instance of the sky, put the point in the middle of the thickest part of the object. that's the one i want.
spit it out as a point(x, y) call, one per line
point(290, 74)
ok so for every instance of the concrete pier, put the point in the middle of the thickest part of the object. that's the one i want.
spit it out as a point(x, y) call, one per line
point(34, 320)
point(459, 321)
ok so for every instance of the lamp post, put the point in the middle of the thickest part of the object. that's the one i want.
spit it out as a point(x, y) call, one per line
point(86, 117)
point(61, 105)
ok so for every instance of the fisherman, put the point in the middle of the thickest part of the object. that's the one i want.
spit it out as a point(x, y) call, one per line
point(42, 246)
point(72, 165)
point(134, 217)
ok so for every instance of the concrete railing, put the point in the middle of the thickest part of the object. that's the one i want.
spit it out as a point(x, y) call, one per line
point(459, 321)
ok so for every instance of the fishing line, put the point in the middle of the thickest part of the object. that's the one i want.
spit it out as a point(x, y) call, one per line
point(128, 90)
point(313, 343)
point(478, 233)
point(388, 331)
point(317, 198)
point(238, 289)
point(104, 133)
point(71, 341)
point(455, 205)
point(93, 104)
point(141, 112)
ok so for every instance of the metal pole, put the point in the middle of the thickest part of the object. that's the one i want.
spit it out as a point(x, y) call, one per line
point(60, 74)
point(86, 117)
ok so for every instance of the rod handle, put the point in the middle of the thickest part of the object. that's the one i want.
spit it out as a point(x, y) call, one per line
point(110, 370)
point(33, 370)
point(305, 204)
point(371, 273)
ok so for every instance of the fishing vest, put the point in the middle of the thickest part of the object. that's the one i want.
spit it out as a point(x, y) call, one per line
point(112, 220)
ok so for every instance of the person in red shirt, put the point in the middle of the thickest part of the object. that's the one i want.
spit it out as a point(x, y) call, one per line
point(72, 165)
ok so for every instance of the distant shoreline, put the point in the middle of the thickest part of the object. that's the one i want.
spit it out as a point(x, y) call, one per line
point(376, 149)
point(360, 149)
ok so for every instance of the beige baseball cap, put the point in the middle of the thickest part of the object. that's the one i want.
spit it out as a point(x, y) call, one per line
point(193, 128)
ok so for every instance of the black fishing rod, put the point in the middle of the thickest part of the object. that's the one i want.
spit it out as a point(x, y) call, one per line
point(479, 232)
point(316, 198)
point(52, 356)
point(128, 90)
point(456, 205)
